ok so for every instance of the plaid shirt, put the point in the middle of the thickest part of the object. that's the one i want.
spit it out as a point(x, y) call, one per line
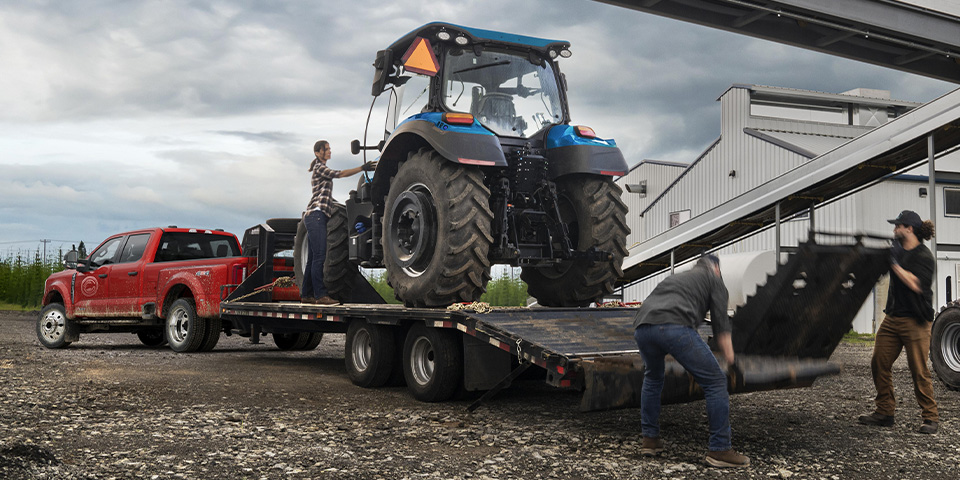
point(322, 182)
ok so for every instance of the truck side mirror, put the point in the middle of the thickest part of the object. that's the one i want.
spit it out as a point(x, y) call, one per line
point(83, 266)
point(355, 147)
point(384, 66)
point(70, 260)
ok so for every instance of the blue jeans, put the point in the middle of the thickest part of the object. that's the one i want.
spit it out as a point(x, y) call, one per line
point(686, 346)
point(312, 285)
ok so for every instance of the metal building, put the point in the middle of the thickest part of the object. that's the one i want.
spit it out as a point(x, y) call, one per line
point(768, 131)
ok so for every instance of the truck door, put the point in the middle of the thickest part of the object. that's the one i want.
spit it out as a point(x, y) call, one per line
point(126, 276)
point(91, 289)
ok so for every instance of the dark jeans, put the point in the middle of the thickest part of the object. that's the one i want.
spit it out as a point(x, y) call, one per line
point(312, 285)
point(686, 346)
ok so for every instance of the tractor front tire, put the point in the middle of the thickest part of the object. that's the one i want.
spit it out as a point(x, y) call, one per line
point(595, 215)
point(338, 270)
point(436, 232)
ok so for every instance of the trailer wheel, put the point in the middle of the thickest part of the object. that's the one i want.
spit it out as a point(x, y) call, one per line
point(945, 346)
point(436, 231)
point(369, 353)
point(338, 270)
point(184, 331)
point(54, 329)
point(291, 341)
point(212, 334)
point(151, 338)
point(596, 217)
point(313, 339)
point(432, 363)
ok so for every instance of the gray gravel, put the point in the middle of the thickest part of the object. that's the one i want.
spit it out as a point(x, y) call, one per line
point(108, 407)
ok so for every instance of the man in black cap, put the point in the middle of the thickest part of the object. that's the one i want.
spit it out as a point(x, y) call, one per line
point(666, 324)
point(909, 314)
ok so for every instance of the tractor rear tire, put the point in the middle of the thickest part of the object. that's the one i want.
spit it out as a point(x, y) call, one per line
point(596, 217)
point(436, 232)
point(945, 346)
point(338, 270)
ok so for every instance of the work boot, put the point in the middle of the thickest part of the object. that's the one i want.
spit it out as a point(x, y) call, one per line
point(651, 446)
point(876, 419)
point(929, 427)
point(727, 458)
point(309, 300)
point(326, 300)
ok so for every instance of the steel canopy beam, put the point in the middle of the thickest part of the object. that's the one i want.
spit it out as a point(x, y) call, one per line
point(882, 32)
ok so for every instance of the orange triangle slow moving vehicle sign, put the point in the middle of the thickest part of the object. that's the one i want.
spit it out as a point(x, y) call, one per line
point(420, 59)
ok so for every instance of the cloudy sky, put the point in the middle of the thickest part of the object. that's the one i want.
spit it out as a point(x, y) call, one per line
point(116, 115)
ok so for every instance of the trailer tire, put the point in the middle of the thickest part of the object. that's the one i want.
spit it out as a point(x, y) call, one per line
point(369, 353)
point(212, 334)
point(591, 207)
point(436, 231)
point(151, 338)
point(432, 363)
point(291, 341)
point(54, 329)
point(945, 346)
point(338, 270)
point(184, 331)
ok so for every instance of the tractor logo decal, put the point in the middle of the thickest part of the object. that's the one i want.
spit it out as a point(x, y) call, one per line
point(420, 58)
point(89, 286)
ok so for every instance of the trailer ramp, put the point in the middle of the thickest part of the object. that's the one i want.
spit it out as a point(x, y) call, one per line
point(783, 335)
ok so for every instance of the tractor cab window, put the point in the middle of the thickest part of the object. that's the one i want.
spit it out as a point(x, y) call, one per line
point(507, 92)
point(408, 97)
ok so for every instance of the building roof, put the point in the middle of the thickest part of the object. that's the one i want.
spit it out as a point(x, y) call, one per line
point(823, 98)
point(806, 144)
point(657, 162)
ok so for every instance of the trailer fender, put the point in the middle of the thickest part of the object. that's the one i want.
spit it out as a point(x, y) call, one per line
point(465, 144)
point(569, 152)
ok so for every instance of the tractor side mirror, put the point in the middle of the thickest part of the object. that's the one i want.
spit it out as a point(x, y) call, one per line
point(384, 66)
point(381, 145)
point(355, 147)
point(70, 260)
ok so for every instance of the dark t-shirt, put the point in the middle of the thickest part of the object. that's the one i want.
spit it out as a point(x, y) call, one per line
point(903, 302)
point(684, 298)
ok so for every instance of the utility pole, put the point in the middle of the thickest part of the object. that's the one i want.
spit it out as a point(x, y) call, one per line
point(45, 241)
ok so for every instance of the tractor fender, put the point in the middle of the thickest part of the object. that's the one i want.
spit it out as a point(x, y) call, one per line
point(567, 152)
point(465, 144)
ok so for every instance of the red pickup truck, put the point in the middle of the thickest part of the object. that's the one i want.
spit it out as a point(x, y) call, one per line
point(164, 284)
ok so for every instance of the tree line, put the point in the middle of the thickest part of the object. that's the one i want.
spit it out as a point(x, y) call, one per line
point(22, 275)
point(503, 291)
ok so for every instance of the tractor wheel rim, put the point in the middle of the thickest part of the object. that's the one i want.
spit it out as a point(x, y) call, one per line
point(950, 346)
point(362, 350)
point(53, 325)
point(422, 363)
point(413, 229)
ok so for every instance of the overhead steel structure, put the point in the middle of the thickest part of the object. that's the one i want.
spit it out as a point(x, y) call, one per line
point(921, 37)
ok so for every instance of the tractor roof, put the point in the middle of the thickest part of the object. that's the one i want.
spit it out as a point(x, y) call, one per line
point(477, 36)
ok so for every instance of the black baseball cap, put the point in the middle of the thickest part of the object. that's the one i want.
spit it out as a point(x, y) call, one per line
point(908, 218)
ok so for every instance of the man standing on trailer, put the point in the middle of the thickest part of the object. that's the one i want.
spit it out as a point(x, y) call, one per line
point(666, 324)
point(907, 323)
point(322, 206)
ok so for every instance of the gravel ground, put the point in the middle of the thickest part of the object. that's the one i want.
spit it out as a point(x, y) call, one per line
point(108, 407)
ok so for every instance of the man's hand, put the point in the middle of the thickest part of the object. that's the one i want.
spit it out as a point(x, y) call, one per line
point(725, 342)
point(369, 166)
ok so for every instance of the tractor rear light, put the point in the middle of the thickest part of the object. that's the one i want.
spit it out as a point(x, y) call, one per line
point(585, 132)
point(458, 118)
point(443, 35)
point(565, 53)
point(461, 40)
point(553, 54)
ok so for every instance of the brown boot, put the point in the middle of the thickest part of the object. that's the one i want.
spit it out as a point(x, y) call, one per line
point(651, 447)
point(929, 427)
point(876, 419)
point(327, 300)
point(309, 300)
point(727, 458)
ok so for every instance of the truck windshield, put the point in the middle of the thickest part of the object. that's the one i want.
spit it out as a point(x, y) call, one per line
point(176, 246)
point(505, 91)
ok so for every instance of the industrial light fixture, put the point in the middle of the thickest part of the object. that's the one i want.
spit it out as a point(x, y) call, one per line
point(923, 192)
point(638, 188)
point(732, 174)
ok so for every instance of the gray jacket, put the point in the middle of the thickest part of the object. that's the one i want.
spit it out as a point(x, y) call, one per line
point(684, 298)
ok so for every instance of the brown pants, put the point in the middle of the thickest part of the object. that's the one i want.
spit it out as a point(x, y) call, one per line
point(895, 334)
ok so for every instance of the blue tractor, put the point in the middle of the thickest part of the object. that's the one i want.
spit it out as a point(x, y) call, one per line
point(479, 166)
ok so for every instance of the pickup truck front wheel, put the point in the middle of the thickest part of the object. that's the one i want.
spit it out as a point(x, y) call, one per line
point(184, 331)
point(54, 329)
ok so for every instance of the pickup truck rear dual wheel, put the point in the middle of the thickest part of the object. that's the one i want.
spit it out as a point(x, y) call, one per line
point(432, 363)
point(595, 215)
point(370, 355)
point(338, 270)
point(151, 338)
point(436, 231)
point(184, 331)
point(54, 329)
point(945, 346)
point(212, 334)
